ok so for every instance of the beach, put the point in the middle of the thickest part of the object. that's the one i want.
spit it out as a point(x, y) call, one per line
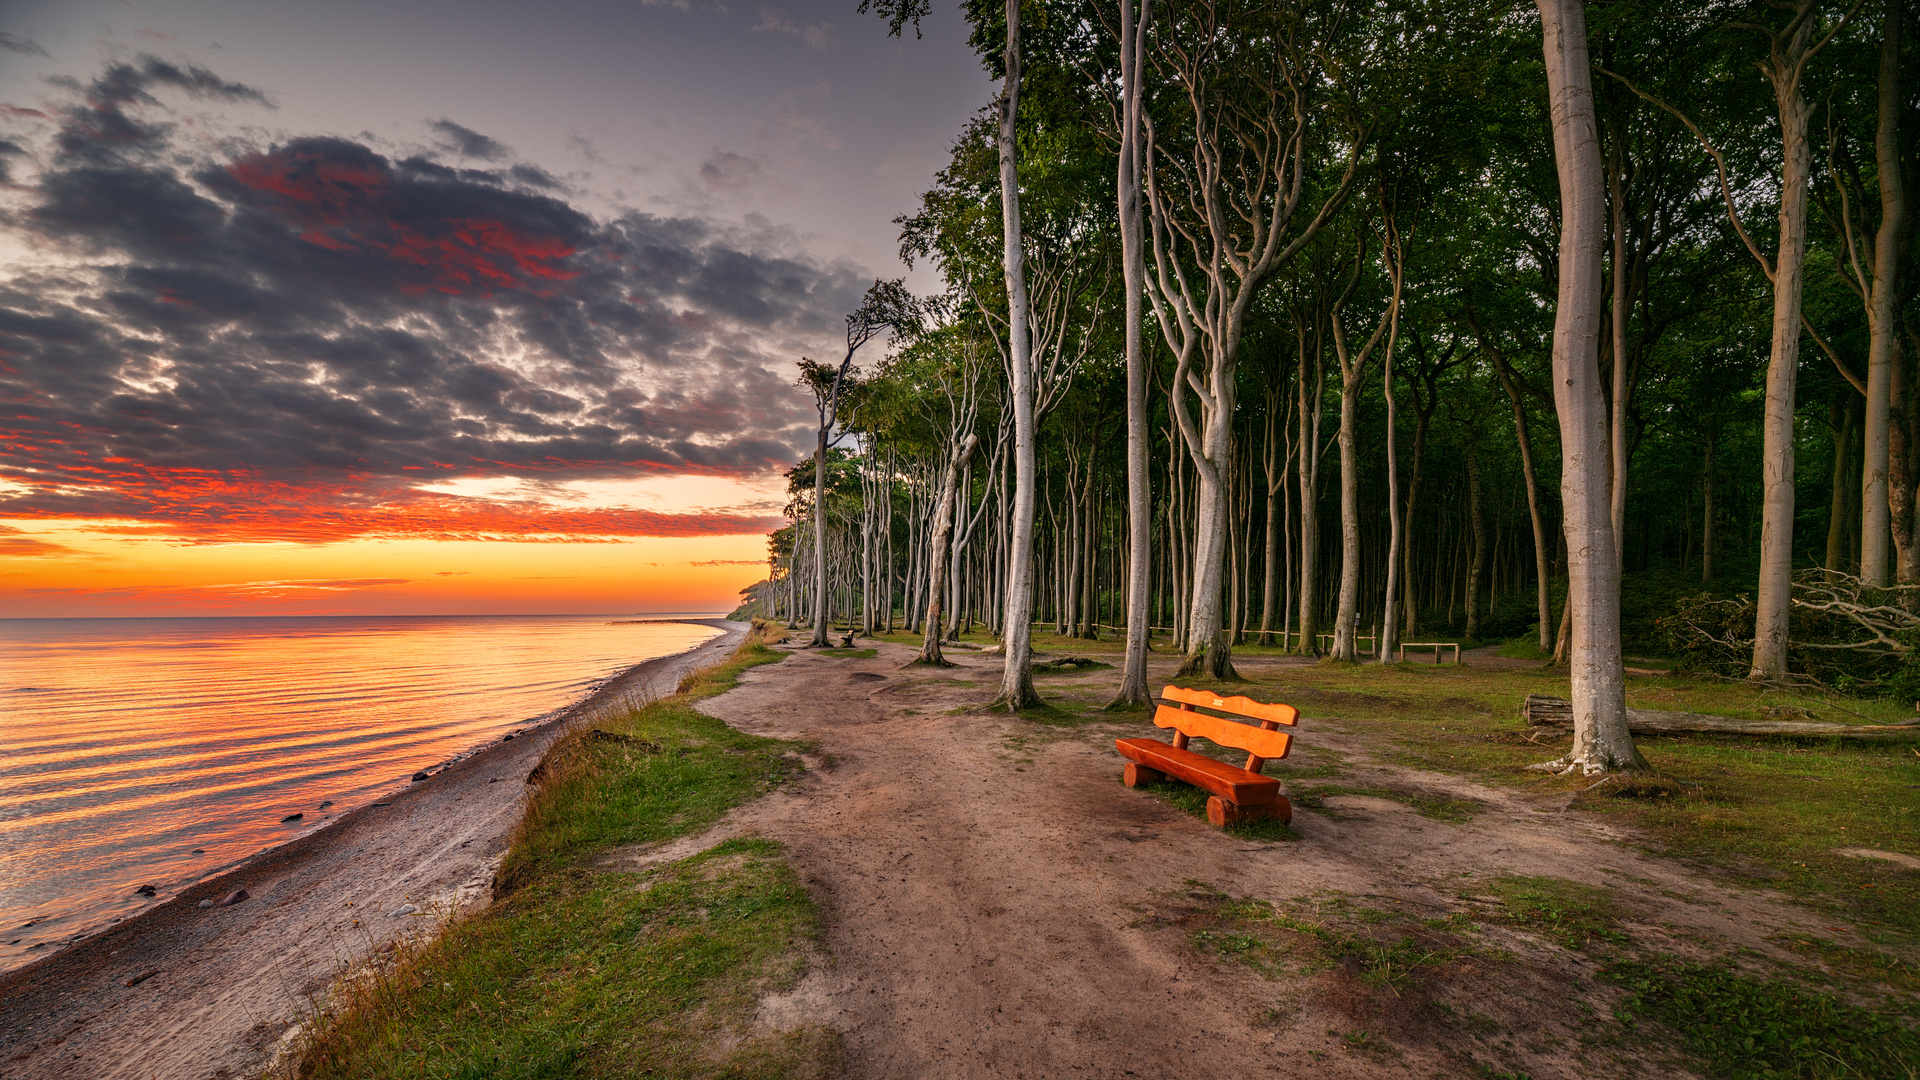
point(186, 991)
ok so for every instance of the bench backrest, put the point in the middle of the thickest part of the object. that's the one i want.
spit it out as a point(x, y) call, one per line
point(1262, 743)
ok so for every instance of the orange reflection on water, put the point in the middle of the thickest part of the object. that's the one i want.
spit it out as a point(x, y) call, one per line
point(137, 751)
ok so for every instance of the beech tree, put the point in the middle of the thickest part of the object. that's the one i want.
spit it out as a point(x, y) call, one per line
point(1601, 742)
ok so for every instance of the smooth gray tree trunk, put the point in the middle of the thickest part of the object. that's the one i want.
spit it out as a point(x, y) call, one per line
point(1133, 676)
point(1016, 682)
point(1601, 741)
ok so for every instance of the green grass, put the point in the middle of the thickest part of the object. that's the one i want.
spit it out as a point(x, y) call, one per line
point(1764, 813)
point(850, 654)
point(1745, 1027)
point(1573, 914)
point(582, 970)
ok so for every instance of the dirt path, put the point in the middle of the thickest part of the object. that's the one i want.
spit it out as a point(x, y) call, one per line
point(217, 988)
point(1000, 906)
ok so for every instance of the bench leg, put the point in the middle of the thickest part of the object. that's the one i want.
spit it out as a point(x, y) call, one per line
point(1138, 774)
point(1223, 813)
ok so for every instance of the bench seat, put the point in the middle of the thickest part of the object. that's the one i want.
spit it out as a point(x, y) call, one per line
point(1230, 782)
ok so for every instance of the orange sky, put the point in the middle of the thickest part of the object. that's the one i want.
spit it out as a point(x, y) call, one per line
point(70, 567)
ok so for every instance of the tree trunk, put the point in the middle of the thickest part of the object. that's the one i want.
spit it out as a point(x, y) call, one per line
point(1841, 415)
point(1309, 484)
point(1774, 595)
point(820, 639)
point(1387, 642)
point(1477, 566)
point(1346, 615)
point(1016, 683)
point(1883, 342)
point(1133, 677)
point(937, 572)
point(1601, 741)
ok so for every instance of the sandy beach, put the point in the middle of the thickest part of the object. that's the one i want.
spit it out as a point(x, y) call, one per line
point(184, 991)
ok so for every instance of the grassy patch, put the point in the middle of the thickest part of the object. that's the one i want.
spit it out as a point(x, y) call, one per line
point(1573, 914)
point(1740, 1026)
point(1763, 813)
point(1379, 949)
point(850, 654)
point(585, 971)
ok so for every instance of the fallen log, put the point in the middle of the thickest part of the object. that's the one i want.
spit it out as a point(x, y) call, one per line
point(1543, 711)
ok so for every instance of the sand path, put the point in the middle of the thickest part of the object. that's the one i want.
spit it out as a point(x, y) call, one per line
point(222, 986)
point(1000, 906)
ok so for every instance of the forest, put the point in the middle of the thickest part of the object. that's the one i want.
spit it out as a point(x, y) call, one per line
point(1332, 326)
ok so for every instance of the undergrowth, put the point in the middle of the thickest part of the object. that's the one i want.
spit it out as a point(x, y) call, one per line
point(1765, 1029)
point(582, 970)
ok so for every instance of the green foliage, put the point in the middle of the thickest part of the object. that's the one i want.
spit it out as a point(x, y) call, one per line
point(578, 973)
point(1764, 1029)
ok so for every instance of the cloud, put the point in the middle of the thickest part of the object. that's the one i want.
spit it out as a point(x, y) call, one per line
point(725, 171)
point(729, 562)
point(774, 21)
point(14, 543)
point(16, 44)
point(288, 340)
point(467, 142)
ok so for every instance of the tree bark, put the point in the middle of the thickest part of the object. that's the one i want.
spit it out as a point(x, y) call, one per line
point(1133, 677)
point(1542, 551)
point(937, 571)
point(1387, 642)
point(1773, 598)
point(820, 639)
point(1016, 683)
point(1309, 485)
point(1477, 566)
point(1883, 341)
point(1601, 741)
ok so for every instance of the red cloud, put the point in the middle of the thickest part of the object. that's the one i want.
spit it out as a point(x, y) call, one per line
point(351, 206)
point(239, 508)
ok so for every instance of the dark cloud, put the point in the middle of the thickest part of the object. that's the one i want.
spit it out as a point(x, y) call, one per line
point(291, 339)
point(16, 44)
point(469, 143)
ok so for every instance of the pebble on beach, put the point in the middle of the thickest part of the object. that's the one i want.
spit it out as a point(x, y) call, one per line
point(291, 817)
point(403, 909)
point(419, 776)
point(199, 851)
point(234, 897)
point(326, 804)
point(146, 890)
point(204, 904)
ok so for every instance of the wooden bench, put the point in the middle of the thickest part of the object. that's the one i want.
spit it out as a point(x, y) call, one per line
point(1439, 649)
point(1237, 794)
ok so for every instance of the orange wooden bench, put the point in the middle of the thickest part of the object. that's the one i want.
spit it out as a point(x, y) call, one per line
point(1238, 794)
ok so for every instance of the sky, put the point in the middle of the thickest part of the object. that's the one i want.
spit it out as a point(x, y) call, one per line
point(433, 308)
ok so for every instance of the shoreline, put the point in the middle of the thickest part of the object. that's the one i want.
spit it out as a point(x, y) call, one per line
point(213, 989)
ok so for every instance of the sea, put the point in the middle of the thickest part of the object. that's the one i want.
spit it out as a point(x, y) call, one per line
point(157, 752)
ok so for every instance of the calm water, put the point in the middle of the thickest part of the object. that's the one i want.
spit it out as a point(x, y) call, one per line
point(137, 751)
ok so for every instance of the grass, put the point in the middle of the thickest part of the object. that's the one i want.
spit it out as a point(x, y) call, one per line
point(850, 654)
point(1736, 1025)
point(1766, 813)
point(580, 970)
point(1573, 914)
